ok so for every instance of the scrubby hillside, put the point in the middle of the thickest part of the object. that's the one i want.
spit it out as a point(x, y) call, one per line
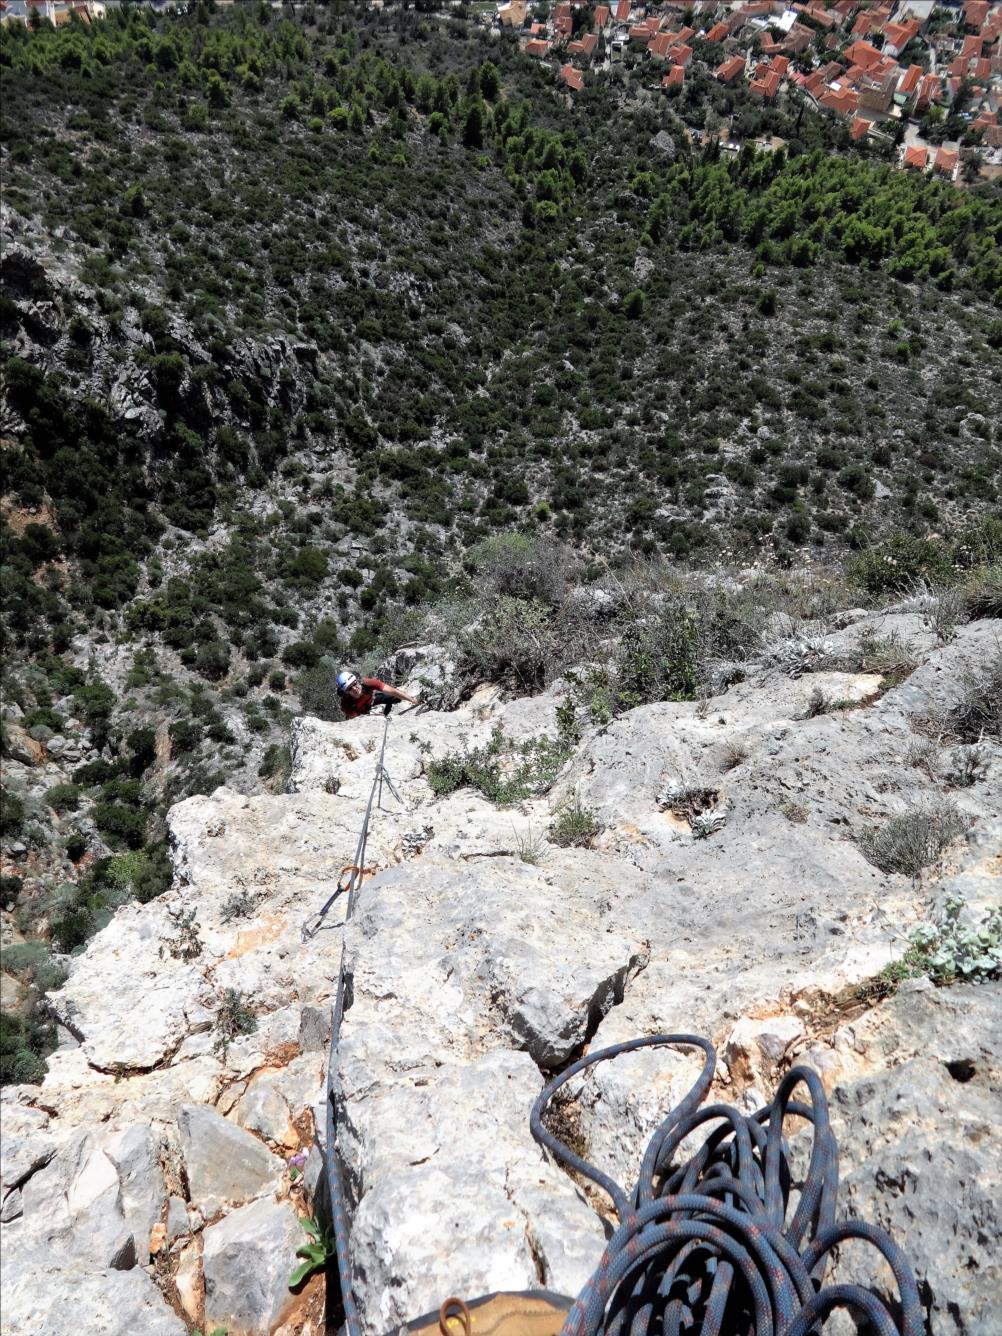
point(302, 308)
point(603, 859)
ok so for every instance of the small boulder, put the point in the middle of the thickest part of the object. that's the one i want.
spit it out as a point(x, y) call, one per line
point(246, 1261)
point(225, 1165)
point(755, 1049)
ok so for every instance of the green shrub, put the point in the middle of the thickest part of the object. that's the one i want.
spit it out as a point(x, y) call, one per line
point(520, 566)
point(24, 1042)
point(63, 797)
point(23, 958)
point(908, 843)
point(73, 928)
point(154, 875)
point(977, 710)
point(574, 827)
point(503, 771)
point(94, 772)
point(899, 564)
point(75, 846)
point(275, 761)
point(233, 1019)
point(120, 822)
point(307, 568)
point(10, 888)
point(185, 735)
point(658, 659)
point(11, 813)
point(317, 690)
point(513, 644)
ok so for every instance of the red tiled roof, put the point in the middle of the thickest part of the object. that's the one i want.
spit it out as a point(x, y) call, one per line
point(680, 55)
point(622, 11)
point(915, 156)
point(717, 33)
point(675, 77)
point(536, 47)
point(900, 34)
point(640, 33)
point(781, 64)
point(859, 128)
point(982, 69)
point(562, 11)
point(660, 44)
point(842, 101)
point(601, 15)
point(911, 78)
point(767, 86)
point(971, 50)
point(573, 78)
point(975, 13)
point(946, 161)
point(563, 25)
point(730, 69)
point(862, 53)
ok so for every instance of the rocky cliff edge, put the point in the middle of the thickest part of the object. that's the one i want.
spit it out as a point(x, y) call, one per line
point(154, 1181)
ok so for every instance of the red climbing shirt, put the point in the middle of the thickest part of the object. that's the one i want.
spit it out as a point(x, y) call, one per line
point(353, 706)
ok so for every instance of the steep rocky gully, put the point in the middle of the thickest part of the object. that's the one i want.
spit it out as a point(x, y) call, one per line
point(153, 1181)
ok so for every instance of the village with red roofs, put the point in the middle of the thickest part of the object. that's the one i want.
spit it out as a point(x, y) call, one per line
point(917, 81)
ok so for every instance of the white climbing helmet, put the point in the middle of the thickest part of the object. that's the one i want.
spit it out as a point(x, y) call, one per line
point(345, 680)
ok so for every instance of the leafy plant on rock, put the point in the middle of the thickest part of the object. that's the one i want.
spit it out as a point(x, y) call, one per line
point(316, 1253)
point(233, 1019)
point(947, 949)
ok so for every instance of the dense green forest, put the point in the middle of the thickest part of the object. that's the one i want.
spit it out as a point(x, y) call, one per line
point(302, 306)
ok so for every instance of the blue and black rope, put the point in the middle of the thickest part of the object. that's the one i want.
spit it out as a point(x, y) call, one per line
point(710, 1248)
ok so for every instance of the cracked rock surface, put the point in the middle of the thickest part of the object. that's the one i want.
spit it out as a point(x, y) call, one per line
point(153, 1181)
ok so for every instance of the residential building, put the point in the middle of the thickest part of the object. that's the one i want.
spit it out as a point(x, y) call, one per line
point(573, 78)
point(731, 70)
point(946, 162)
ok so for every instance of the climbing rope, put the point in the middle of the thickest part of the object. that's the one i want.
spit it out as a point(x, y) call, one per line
point(357, 868)
point(707, 1247)
point(335, 1180)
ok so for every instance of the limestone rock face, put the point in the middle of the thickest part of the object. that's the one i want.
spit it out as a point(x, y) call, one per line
point(225, 1165)
point(178, 1132)
point(246, 1263)
point(60, 1301)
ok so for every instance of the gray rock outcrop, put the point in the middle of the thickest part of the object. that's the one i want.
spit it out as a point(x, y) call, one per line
point(177, 1136)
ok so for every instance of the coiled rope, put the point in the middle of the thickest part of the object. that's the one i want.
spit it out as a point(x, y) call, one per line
point(707, 1248)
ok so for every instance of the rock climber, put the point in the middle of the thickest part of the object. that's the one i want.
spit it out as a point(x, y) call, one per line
point(358, 695)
